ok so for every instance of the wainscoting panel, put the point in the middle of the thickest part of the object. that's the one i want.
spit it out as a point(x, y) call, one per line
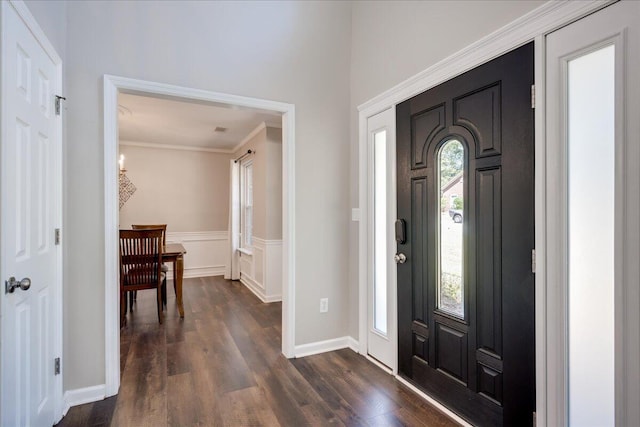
point(206, 252)
point(261, 271)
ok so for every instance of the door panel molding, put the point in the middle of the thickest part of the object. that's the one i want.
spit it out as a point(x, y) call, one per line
point(51, 154)
point(497, 235)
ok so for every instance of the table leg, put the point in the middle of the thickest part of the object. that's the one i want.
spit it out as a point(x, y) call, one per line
point(175, 273)
point(179, 271)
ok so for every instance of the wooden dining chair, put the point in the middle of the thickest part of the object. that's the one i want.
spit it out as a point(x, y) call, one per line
point(140, 266)
point(133, 296)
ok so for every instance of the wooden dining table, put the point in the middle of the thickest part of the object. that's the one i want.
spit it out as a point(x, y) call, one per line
point(174, 253)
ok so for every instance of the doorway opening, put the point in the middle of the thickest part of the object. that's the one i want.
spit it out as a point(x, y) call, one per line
point(118, 87)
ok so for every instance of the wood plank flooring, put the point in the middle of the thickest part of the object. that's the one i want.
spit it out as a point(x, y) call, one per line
point(221, 366)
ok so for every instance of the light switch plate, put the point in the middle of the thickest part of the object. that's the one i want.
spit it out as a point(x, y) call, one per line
point(355, 214)
point(324, 305)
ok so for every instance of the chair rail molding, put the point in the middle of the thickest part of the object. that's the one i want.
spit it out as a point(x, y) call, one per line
point(206, 252)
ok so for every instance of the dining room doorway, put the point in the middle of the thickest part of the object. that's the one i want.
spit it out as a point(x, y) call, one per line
point(181, 171)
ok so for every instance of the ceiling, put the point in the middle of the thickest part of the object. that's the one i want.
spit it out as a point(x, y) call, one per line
point(175, 122)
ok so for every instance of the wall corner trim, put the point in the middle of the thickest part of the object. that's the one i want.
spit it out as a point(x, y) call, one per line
point(83, 395)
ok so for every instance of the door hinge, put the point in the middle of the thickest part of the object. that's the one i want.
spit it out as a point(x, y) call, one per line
point(57, 366)
point(58, 99)
point(533, 260)
point(57, 238)
point(533, 96)
point(535, 420)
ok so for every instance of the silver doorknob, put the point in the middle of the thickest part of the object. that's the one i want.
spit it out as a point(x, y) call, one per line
point(11, 284)
point(400, 258)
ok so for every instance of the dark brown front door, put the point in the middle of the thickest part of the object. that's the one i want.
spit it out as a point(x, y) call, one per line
point(465, 159)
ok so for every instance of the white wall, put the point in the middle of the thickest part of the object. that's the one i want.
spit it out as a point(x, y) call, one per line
point(187, 190)
point(394, 40)
point(295, 52)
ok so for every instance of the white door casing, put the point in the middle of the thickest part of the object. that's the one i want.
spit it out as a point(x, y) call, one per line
point(112, 86)
point(31, 212)
point(382, 342)
point(617, 26)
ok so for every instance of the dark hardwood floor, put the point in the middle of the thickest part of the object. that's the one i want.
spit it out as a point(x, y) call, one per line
point(222, 366)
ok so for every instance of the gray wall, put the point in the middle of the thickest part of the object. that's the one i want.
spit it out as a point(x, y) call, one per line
point(287, 51)
point(51, 16)
point(187, 190)
point(394, 40)
point(273, 214)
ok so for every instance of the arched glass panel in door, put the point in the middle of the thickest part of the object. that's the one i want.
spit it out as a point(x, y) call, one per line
point(450, 243)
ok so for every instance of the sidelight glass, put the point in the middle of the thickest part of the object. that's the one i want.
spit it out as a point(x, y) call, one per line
point(450, 228)
point(380, 231)
point(591, 200)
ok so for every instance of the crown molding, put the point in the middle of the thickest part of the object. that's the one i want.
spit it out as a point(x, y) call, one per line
point(174, 147)
point(249, 137)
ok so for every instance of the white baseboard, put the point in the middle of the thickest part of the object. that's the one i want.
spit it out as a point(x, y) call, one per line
point(217, 270)
point(81, 396)
point(324, 346)
point(257, 290)
point(272, 298)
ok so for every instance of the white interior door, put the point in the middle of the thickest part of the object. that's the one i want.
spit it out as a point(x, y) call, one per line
point(381, 287)
point(30, 195)
point(593, 179)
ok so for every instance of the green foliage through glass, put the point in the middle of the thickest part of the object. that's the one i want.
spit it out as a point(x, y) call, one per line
point(451, 160)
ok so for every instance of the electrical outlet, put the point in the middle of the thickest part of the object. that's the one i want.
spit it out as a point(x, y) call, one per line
point(324, 305)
